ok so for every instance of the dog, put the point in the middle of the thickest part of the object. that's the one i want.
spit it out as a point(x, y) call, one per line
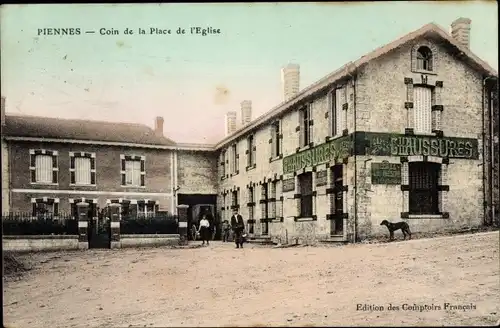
point(405, 228)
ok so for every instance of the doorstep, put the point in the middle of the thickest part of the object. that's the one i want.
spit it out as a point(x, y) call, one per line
point(334, 239)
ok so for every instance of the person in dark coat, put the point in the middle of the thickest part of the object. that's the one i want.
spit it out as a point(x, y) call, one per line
point(238, 226)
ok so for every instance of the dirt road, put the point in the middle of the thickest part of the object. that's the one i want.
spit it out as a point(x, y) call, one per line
point(223, 286)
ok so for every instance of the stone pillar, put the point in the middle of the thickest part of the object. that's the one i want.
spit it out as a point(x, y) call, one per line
point(82, 210)
point(114, 213)
point(182, 212)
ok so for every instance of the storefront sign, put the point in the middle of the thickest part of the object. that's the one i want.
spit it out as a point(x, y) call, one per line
point(321, 178)
point(332, 150)
point(386, 173)
point(288, 185)
point(382, 144)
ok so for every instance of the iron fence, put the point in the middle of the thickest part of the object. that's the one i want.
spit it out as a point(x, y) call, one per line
point(21, 223)
point(151, 224)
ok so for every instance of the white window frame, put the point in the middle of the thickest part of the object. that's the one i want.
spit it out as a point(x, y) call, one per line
point(33, 167)
point(123, 170)
point(73, 170)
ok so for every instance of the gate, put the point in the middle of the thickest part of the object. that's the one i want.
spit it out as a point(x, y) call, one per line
point(99, 227)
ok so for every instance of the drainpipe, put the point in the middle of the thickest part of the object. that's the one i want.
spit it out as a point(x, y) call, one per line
point(172, 182)
point(490, 155)
point(175, 182)
point(351, 70)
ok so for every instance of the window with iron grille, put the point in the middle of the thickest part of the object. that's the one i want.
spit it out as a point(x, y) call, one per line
point(424, 180)
point(424, 58)
point(146, 209)
point(44, 166)
point(251, 203)
point(272, 202)
point(234, 199)
point(422, 109)
point(45, 208)
point(306, 195)
point(264, 201)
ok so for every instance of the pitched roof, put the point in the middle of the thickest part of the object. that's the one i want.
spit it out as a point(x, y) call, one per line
point(57, 128)
point(430, 30)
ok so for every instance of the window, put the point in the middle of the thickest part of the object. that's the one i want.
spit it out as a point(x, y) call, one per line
point(424, 59)
point(45, 207)
point(146, 209)
point(422, 109)
point(332, 103)
point(223, 163)
point(234, 199)
point(43, 166)
point(264, 201)
point(82, 168)
point(272, 200)
point(235, 159)
point(275, 139)
point(424, 179)
point(133, 171)
point(305, 126)
point(251, 203)
point(251, 151)
point(306, 195)
point(340, 113)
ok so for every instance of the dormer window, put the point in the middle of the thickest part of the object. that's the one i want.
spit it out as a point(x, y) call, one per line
point(424, 59)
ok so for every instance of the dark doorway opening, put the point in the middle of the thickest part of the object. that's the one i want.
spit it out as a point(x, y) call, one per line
point(198, 204)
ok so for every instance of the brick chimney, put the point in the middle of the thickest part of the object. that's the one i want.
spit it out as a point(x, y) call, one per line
point(159, 126)
point(230, 127)
point(290, 79)
point(3, 110)
point(460, 31)
point(246, 112)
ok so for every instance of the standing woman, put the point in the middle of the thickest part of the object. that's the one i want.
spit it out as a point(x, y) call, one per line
point(204, 230)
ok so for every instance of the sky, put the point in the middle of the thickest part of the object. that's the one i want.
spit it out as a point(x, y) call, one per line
point(193, 80)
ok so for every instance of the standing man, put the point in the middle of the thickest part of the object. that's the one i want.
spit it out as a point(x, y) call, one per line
point(238, 225)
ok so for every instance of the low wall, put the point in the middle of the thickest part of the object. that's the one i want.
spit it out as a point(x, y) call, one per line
point(34, 243)
point(136, 240)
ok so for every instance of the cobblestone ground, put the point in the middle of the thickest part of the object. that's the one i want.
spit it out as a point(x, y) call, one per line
point(223, 286)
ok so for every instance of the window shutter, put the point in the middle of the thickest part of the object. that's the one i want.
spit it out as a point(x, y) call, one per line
point(72, 162)
point(92, 170)
point(423, 109)
point(310, 128)
point(123, 179)
point(54, 169)
point(272, 140)
point(33, 209)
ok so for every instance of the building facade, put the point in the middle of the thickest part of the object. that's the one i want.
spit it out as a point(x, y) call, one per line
point(403, 133)
point(399, 135)
point(53, 164)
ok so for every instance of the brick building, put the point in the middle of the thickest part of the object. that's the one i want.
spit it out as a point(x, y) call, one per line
point(400, 134)
point(54, 163)
point(403, 133)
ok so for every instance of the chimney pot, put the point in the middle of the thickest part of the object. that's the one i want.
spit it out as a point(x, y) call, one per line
point(159, 126)
point(230, 123)
point(290, 79)
point(460, 31)
point(246, 112)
